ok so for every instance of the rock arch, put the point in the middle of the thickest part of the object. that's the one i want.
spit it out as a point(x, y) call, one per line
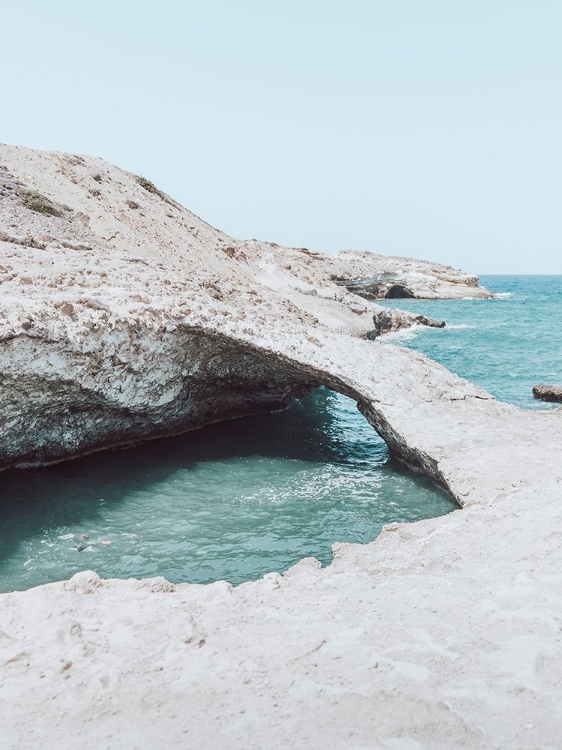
point(60, 399)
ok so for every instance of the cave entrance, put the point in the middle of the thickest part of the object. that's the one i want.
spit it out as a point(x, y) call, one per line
point(398, 291)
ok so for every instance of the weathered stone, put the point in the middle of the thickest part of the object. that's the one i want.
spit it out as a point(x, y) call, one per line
point(389, 321)
point(395, 278)
point(85, 367)
point(548, 392)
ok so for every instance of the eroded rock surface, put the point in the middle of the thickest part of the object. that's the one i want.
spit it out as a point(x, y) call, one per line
point(124, 316)
point(392, 277)
point(389, 321)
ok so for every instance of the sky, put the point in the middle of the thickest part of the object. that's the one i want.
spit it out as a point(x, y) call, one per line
point(425, 128)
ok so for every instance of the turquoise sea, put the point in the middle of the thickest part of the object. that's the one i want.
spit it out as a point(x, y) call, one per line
point(243, 498)
point(506, 345)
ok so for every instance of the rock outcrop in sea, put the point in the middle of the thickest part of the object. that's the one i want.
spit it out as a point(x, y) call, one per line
point(548, 392)
point(125, 317)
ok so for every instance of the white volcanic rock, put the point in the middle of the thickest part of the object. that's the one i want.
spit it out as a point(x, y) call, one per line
point(379, 276)
point(441, 634)
point(121, 323)
point(114, 299)
point(390, 320)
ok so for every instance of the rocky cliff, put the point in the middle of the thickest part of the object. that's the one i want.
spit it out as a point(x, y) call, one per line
point(124, 316)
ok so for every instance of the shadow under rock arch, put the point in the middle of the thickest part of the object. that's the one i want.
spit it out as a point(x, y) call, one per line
point(34, 499)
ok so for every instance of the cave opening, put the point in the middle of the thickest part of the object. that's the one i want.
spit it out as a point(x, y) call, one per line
point(398, 291)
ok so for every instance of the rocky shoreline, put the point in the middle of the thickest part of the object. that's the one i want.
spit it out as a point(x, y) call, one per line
point(125, 317)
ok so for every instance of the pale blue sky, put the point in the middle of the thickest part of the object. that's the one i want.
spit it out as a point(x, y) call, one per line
point(430, 128)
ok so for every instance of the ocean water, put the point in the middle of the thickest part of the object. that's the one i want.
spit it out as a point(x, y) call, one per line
point(240, 499)
point(234, 500)
point(506, 345)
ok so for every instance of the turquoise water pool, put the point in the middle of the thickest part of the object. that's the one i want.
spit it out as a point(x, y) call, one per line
point(233, 501)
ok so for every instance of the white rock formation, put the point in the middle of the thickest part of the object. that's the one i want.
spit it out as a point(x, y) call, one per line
point(125, 316)
point(395, 277)
point(122, 321)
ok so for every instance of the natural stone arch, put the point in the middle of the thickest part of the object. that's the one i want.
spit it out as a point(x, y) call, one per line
point(171, 379)
point(164, 383)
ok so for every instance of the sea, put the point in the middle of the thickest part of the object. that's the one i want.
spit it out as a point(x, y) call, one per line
point(243, 498)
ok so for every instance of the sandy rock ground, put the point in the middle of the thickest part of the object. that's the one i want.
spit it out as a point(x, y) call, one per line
point(440, 634)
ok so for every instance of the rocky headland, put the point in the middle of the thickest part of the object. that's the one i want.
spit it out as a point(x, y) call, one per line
point(125, 317)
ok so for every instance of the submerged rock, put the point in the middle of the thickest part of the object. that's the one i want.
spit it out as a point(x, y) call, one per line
point(548, 392)
point(389, 321)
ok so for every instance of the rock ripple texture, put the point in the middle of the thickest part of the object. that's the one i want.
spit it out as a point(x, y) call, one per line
point(124, 317)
